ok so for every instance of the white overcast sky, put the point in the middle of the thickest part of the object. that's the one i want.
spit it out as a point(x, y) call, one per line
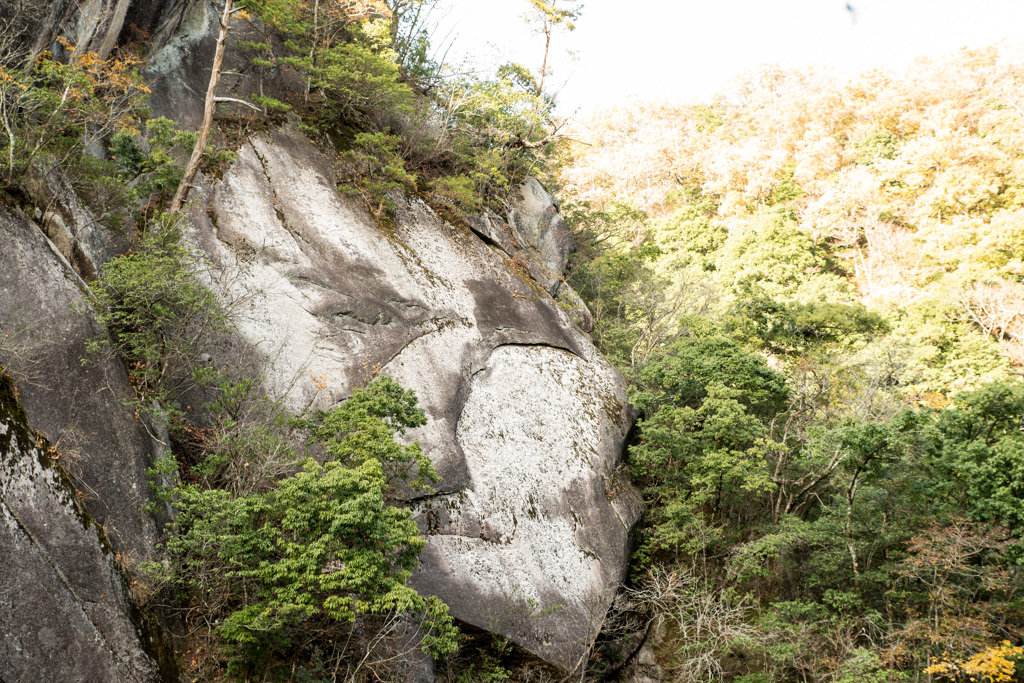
point(689, 49)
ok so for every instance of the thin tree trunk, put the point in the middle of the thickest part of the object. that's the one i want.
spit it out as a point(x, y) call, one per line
point(851, 493)
point(549, 27)
point(211, 103)
point(544, 64)
point(312, 49)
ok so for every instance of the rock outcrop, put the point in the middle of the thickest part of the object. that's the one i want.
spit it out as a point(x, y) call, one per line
point(536, 217)
point(529, 530)
point(64, 608)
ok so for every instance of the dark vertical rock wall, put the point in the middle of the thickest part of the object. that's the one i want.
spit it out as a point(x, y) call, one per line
point(64, 611)
point(81, 407)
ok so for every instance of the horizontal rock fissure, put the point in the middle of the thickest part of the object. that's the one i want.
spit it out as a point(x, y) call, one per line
point(549, 345)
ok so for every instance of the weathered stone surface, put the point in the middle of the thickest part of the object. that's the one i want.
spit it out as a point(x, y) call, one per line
point(82, 240)
point(180, 63)
point(80, 408)
point(536, 216)
point(159, 19)
point(540, 244)
point(544, 523)
point(64, 612)
point(526, 419)
point(576, 307)
point(643, 666)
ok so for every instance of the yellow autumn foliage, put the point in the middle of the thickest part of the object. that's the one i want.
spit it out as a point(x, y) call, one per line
point(993, 665)
point(914, 180)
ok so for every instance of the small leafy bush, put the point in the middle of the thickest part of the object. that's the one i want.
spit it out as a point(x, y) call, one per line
point(376, 169)
point(318, 562)
point(156, 311)
point(460, 192)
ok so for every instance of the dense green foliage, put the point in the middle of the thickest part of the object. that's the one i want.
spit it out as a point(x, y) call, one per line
point(462, 139)
point(314, 565)
point(156, 310)
point(823, 335)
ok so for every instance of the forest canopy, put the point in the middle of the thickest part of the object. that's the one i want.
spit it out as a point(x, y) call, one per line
point(815, 289)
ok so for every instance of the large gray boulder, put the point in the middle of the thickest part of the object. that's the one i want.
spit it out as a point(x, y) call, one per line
point(530, 529)
point(64, 608)
point(87, 25)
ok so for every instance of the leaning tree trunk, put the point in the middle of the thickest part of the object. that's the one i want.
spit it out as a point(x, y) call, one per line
point(211, 103)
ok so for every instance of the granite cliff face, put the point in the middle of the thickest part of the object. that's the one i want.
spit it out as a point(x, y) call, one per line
point(526, 419)
point(529, 531)
point(65, 613)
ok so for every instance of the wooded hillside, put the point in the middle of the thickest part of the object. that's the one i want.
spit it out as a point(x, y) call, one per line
point(816, 290)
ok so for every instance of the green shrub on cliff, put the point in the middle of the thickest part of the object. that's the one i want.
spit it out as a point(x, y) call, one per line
point(156, 311)
point(51, 111)
point(367, 67)
point(316, 566)
point(373, 168)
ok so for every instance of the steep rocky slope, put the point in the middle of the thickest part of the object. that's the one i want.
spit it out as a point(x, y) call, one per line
point(530, 528)
point(526, 419)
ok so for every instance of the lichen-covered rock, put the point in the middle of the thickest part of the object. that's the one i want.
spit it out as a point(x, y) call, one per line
point(184, 35)
point(64, 612)
point(529, 531)
point(536, 215)
point(536, 545)
point(81, 407)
